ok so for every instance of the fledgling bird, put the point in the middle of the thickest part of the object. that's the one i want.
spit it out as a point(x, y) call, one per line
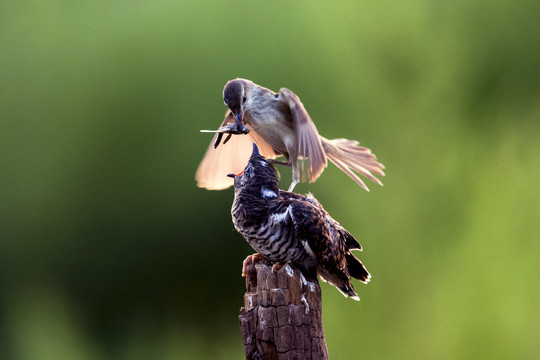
point(285, 227)
point(281, 126)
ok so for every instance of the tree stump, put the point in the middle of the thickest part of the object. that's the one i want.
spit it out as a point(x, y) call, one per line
point(282, 315)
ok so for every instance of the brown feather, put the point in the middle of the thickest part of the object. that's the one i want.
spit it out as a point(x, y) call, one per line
point(287, 129)
point(286, 227)
point(308, 140)
point(228, 158)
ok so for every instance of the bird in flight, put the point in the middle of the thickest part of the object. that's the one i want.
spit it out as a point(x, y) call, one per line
point(281, 126)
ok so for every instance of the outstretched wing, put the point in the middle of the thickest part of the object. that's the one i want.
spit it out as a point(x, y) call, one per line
point(307, 137)
point(228, 158)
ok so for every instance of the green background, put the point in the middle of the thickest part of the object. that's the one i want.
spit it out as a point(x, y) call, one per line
point(108, 250)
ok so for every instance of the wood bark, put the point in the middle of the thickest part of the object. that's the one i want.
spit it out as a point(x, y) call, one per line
point(282, 315)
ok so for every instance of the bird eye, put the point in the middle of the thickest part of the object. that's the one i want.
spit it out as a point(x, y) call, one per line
point(244, 99)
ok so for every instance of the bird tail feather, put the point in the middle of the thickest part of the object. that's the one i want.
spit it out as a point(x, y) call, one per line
point(357, 269)
point(349, 156)
point(348, 290)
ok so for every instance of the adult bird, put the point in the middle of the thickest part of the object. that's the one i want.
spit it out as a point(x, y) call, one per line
point(284, 227)
point(281, 126)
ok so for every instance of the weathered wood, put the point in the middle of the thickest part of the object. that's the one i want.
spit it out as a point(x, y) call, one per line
point(282, 315)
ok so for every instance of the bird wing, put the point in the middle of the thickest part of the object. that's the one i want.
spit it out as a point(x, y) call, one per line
point(340, 231)
point(311, 225)
point(307, 137)
point(229, 157)
point(330, 242)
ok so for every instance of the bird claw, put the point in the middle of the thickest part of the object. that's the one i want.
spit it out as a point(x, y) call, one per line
point(277, 266)
point(250, 260)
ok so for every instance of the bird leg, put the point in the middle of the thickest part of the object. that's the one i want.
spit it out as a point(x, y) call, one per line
point(295, 177)
point(293, 184)
point(296, 171)
point(279, 162)
point(250, 260)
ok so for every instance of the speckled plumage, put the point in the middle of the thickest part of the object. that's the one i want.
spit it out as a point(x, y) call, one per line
point(286, 227)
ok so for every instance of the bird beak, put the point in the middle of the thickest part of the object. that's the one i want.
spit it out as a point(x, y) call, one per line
point(234, 175)
point(239, 118)
point(255, 149)
point(239, 121)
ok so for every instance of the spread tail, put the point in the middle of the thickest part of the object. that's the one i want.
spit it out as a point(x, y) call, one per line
point(357, 269)
point(349, 157)
point(348, 290)
point(341, 280)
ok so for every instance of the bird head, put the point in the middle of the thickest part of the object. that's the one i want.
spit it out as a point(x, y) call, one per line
point(258, 173)
point(236, 95)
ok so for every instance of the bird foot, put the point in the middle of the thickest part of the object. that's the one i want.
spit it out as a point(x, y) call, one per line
point(277, 266)
point(250, 260)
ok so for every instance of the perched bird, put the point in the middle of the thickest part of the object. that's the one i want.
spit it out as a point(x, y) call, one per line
point(284, 227)
point(281, 126)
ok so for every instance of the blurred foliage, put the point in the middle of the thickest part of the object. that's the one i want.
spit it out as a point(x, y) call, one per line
point(108, 250)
